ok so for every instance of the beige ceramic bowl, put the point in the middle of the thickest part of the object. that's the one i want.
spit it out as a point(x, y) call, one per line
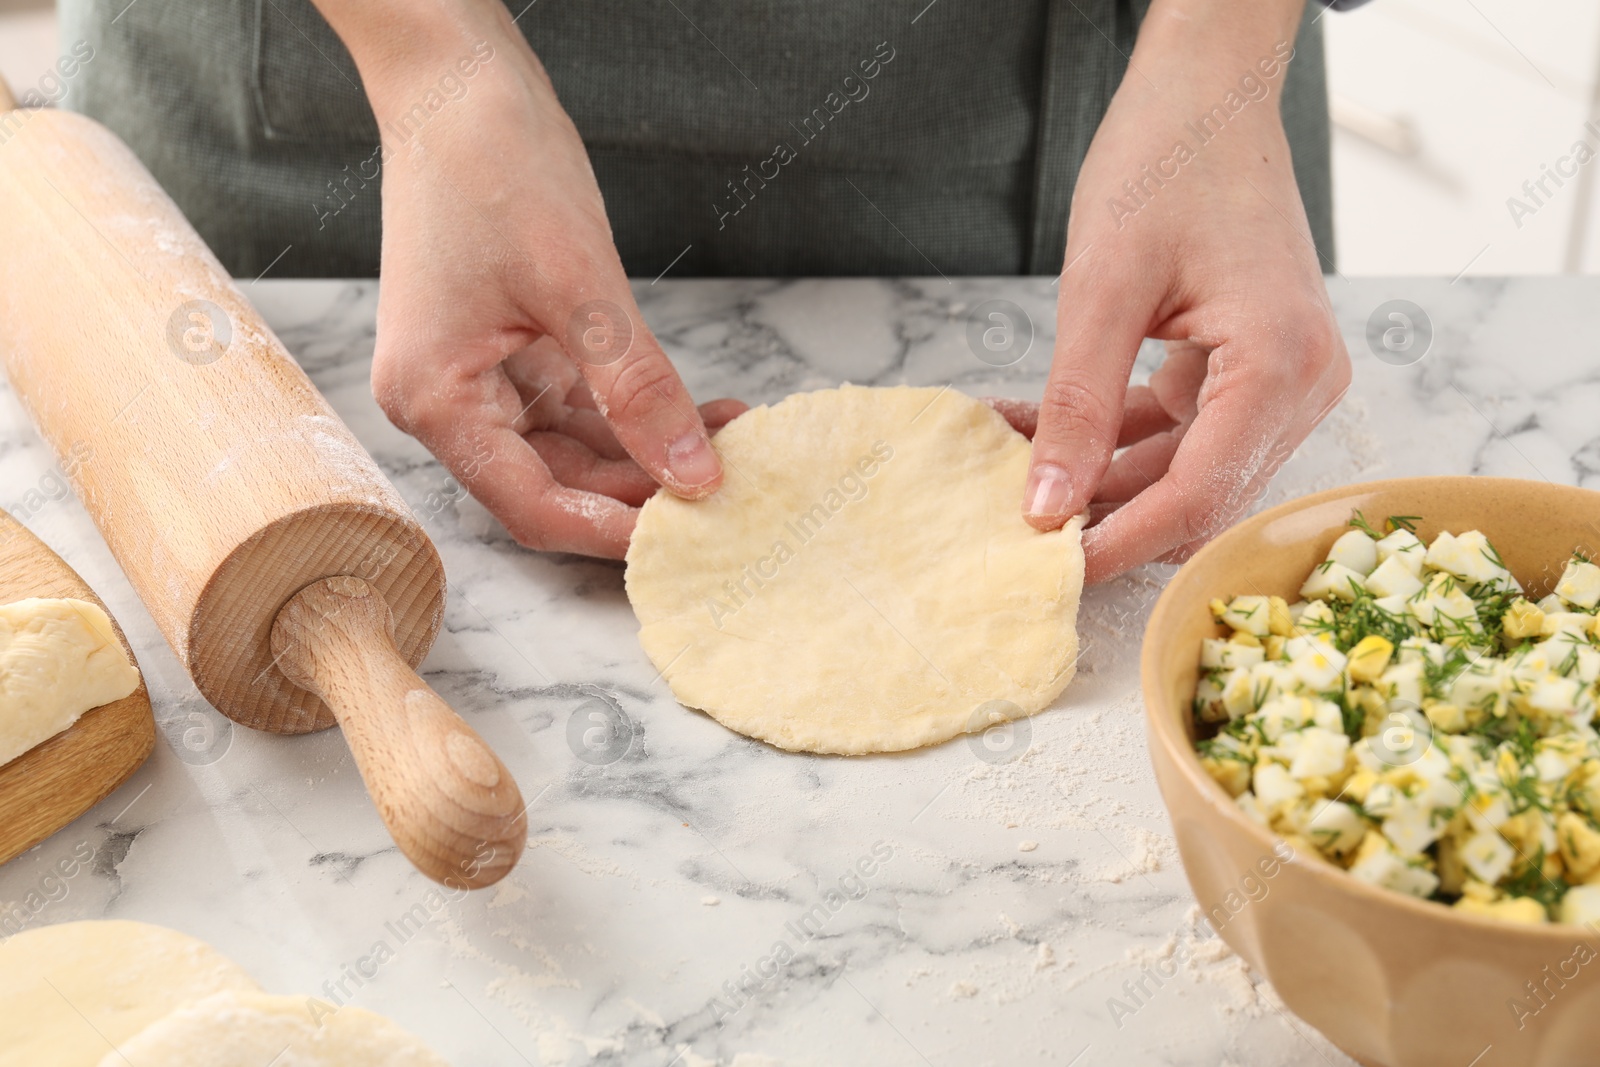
point(1392, 980)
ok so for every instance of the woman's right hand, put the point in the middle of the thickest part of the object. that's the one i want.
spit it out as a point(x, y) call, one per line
point(508, 341)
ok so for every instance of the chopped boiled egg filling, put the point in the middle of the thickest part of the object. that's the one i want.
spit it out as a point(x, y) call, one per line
point(1414, 719)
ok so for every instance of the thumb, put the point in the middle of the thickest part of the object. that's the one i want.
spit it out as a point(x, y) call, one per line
point(1100, 323)
point(638, 391)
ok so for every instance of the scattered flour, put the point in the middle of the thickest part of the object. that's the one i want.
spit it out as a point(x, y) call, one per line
point(1025, 967)
point(1207, 960)
point(519, 991)
point(507, 892)
point(569, 849)
point(518, 985)
point(1148, 853)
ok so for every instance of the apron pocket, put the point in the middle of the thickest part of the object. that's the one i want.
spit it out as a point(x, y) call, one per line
point(305, 86)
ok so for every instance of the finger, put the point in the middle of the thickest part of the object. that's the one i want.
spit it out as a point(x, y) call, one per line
point(1329, 391)
point(463, 414)
point(543, 376)
point(639, 392)
point(1142, 416)
point(1023, 415)
point(1331, 387)
point(1174, 390)
point(591, 429)
point(581, 396)
point(1219, 458)
point(1100, 323)
point(583, 453)
point(577, 466)
point(1175, 385)
point(1247, 499)
point(507, 476)
point(1098, 510)
point(1138, 468)
point(718, 413)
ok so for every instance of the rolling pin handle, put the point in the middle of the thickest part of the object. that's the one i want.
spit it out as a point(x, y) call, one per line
point(451, 805)
point(8, 102)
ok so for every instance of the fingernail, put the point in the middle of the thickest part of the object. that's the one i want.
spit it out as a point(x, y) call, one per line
point(692, 461)
point(1049, 490)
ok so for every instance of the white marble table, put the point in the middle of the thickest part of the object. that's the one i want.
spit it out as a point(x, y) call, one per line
point(1023, 886)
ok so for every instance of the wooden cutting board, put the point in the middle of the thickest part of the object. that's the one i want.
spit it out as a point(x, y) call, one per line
point(48, 786)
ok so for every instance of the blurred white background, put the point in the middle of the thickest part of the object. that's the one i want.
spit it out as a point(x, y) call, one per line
point(27, 41)
point(1442, 110)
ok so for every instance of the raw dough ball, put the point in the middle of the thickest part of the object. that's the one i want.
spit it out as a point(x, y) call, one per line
point(58, 659)
point(864, 580)
point(71, 992)
point(254, 1029)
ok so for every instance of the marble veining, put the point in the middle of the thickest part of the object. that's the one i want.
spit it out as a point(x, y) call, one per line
point(692, 897)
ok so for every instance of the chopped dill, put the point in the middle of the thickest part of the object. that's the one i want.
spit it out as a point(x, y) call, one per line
point(1438, 676)
point(1408, 523)
point(1359, 521)
point(1490, 724)
point(1362, 617)
point(1526, 790)
point(1530, 881)
point(1493, 601)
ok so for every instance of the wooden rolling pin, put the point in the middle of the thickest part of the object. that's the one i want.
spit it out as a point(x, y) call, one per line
point(287, 574)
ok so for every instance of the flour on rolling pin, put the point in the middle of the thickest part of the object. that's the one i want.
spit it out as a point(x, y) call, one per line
point(279, 563)
point(220, 478)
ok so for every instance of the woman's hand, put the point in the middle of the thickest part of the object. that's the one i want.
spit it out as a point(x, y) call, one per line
point(508, 341)
point(1209, 250)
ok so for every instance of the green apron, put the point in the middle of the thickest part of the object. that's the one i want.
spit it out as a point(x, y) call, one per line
point(753, 138)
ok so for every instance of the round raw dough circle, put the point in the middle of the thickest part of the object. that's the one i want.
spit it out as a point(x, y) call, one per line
point(864, 580)
point(70, 993)
point(255, 1029)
